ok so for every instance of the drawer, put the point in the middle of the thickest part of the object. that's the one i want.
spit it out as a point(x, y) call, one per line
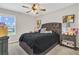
point(1, 48)
point(70, 38)
point(5, 52)
point(0, 42)
point(5, 41)
point(68, 43)
point(5, 47)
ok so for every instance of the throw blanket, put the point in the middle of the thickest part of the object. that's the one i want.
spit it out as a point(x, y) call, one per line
point(39, 42)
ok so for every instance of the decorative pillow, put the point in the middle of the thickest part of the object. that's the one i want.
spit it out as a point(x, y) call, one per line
point(43, 30)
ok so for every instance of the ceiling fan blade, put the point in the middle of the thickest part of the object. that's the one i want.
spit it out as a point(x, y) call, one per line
point(43, 9)
point(25, 7)
point(28, 11)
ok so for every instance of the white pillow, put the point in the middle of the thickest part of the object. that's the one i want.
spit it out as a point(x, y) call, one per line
point(48, 31)
point(43, 30)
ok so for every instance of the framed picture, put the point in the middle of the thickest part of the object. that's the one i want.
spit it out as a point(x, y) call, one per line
point(68, 19)
point(38, 23)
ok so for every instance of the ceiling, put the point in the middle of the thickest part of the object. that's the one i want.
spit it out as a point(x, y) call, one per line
point(50, 7)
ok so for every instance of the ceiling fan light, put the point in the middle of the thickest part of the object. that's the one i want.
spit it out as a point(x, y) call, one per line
point(33, 11)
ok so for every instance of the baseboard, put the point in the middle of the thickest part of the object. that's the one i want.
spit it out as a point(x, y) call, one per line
point(13, 42)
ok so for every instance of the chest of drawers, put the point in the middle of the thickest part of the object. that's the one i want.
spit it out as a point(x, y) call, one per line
point(4, 45)
point(69, 41)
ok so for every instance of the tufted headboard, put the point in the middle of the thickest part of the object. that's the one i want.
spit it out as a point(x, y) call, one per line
point(56, 27)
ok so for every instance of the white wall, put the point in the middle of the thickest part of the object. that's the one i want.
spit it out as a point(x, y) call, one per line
point(24, 23)
point(57, 15)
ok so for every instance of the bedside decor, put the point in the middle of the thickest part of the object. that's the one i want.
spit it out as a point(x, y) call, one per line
point(71, 31)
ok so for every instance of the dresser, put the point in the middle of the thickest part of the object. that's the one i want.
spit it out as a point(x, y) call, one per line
point(69, 41)
point(4, 45)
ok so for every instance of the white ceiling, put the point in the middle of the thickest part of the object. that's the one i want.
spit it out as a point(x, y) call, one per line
point(50, 7)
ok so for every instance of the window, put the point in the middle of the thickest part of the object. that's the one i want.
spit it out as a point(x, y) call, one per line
point(9, 21)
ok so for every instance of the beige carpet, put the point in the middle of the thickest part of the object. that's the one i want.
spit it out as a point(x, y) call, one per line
point(15, 49)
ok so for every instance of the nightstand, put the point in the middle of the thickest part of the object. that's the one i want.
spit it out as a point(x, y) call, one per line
point(68, 41)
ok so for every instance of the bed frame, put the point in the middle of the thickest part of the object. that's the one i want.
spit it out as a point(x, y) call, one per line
point(49, 26)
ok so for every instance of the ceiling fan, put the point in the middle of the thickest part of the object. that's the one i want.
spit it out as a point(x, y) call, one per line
point(34, 9)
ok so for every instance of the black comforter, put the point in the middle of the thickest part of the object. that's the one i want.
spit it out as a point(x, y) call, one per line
point(39, 42)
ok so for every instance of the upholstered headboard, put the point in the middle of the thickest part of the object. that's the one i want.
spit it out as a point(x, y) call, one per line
point(56, 27)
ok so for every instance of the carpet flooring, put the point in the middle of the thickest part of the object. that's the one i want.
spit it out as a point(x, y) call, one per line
point(15, 49)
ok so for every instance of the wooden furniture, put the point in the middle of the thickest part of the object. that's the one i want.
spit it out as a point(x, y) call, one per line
point(4, 45)
point(69, 41)
point(68, 37)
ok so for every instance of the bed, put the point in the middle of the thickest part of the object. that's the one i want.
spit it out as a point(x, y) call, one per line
point(41, 43)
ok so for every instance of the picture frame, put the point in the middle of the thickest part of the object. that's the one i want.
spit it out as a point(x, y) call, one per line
point(38, 23)
point(69, 18)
